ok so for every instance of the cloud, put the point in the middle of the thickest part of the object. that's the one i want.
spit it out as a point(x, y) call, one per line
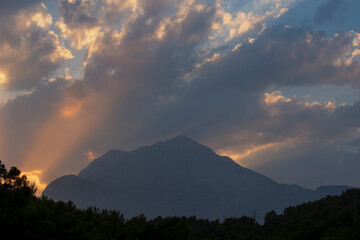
point(307, 143)
point(78, 23)
point(29, 51)
point(316, 165)
point(34, 178)
point(281, 56)
point(60, 115)
point(91, 155)
point(10, 7)
point(333, 10)
point(152, 72)
point(240, 23)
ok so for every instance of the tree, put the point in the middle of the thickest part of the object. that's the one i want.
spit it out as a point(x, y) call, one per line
point(15, 190)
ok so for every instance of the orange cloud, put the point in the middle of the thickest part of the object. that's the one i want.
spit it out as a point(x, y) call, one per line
point(231, 25)
point(80, 37)
point(241, 155)
point(72, 108)
point(3, 79)
point(275, 97)
point(34, 176)
point(258, 151)
point(91, 155)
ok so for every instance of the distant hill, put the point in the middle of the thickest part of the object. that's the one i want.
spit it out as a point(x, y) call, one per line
point(175, 178)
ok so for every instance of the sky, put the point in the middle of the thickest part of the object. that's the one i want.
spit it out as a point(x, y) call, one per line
point(273, 84)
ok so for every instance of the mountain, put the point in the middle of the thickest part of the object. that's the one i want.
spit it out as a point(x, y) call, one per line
point(175, 178)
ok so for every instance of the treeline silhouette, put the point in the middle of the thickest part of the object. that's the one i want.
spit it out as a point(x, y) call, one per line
point(24, 216)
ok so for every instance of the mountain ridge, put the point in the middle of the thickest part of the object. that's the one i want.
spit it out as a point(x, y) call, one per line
point(179, 177)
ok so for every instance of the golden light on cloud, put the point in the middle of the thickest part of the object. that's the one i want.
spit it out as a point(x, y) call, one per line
point(79, 37)
point(277, 97)
point(35, 177)
point(61, 52)
point(67, 75)
point(212, 59)
point(161, 31)
point(274, 97)
point(71, 109)
point(236, 47)
point(3, 79)
point(71, 106)
point(42, 19)
point(246, 157)
point(91, 155)
point(232, 25)
point(238, 157)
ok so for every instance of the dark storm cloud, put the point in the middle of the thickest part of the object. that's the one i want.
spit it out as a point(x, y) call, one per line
point(223, 95)
point(334, 10)
point(162, 61)
point(11, 6)
point(283, 57)
point(77, 13)
point(143, 95)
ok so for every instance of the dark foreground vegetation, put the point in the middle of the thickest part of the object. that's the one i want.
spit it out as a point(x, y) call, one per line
point(23, 216)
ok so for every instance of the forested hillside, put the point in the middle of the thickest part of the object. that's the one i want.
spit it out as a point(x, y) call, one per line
point(23, 216)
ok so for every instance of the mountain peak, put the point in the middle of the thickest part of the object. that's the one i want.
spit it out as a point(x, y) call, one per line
point(182, 144)
point(181, 139)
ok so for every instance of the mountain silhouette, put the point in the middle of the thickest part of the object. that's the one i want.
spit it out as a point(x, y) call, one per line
point(178, 177)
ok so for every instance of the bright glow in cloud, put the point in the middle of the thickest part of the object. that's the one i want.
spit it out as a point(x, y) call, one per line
point(3, 79)
point(61, 52)
point(273, 100)
point(42, 19)
point(79, 37)
point(91, 155)
point(231, 25)
point(240, 156)
point(71, 109)
point(34, 177)
point(274, 97)
point(253, 150)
